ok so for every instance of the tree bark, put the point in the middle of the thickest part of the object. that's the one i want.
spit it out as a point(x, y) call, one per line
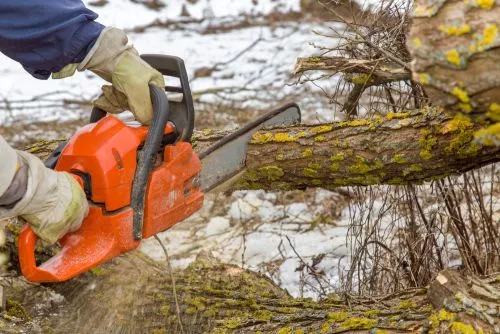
point(455, 50)
point(393, 149)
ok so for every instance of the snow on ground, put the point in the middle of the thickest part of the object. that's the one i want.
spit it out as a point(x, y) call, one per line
point(255, 230)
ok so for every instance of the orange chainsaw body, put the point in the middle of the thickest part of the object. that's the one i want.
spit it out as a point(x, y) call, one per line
point(103, 158)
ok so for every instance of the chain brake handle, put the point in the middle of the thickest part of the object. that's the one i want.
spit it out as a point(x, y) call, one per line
point(181, 112)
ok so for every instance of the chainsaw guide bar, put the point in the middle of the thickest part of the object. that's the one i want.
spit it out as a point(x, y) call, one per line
point(227, 157)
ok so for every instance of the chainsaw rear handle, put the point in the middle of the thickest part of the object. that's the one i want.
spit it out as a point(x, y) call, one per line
point(26, 252)
point(182, 113)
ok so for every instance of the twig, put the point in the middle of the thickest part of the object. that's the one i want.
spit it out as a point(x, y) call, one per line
point(239, 54)
point(311, 269)
point(174, 289)
point(365, 40)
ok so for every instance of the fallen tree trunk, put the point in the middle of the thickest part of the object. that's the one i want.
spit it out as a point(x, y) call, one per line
point(134, 295)
point(395, 148)
point(454, 47)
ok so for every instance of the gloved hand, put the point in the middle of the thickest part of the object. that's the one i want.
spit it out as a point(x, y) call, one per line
point(52, 203)
point(116, 62)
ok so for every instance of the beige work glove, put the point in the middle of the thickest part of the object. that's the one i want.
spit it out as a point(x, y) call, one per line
point(51, 202)
point(119, 63)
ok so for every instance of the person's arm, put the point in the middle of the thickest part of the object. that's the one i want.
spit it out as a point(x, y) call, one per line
point(55, 37)
point(46, 35)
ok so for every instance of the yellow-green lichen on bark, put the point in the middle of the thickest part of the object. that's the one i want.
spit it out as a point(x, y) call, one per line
point(440, 316)
point(427, 143)
point(321, 129)
point(271, 173)
point(395, 181)
point(401, 115)
point(355, 123)
point(16, 309)
point(362, 167)
point(285, 330)
point(99, 271)
point(312, 170)
point(406, 304)
point(494, 112)
point(319, 139)
point(455, 30)
point(325, 328)
point(461, 94)
point(338, 157)
point(483, 4)
point(371, 313)
point(279, 137)
point(412, 169)
point(334, 167)
point(458, 327)
point(463, 143)
point(358, 323)
point(453, 57)
point(399, 158)
point(307, 153)
point(489, 136)
point(337, 316)
point(361, 79)
point(488, 37)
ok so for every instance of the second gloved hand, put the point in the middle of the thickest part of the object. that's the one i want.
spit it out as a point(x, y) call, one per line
point(120, 64)
point(52, 203)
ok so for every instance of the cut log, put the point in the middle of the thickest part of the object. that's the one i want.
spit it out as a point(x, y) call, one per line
point(134, 295)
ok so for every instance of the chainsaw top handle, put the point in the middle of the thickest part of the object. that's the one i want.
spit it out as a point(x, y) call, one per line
point(152, 145)
point(182, 111)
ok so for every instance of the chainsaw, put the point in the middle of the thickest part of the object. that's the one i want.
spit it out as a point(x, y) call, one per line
point(140, 180)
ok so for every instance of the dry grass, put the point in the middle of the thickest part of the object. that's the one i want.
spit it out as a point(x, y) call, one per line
point(401, 237)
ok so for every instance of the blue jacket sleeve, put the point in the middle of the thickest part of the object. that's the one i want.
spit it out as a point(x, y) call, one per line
point(46, 35)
